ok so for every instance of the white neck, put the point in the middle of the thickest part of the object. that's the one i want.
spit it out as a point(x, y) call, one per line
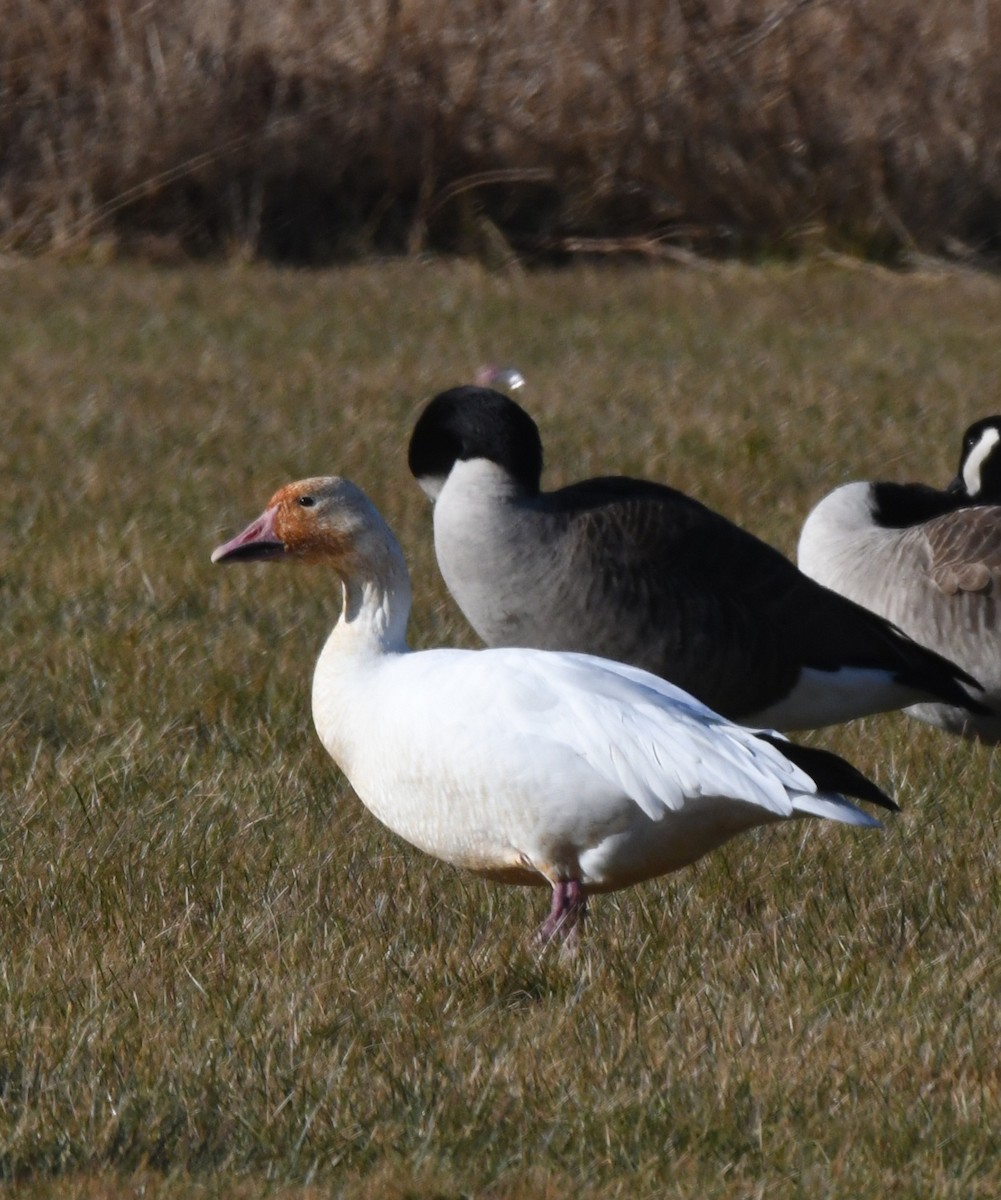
point(376, 603)
point(487, 542)
point(477, 479)
point(371, 630)
point(476, 510)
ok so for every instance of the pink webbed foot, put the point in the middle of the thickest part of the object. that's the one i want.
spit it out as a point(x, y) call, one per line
point(566, 916)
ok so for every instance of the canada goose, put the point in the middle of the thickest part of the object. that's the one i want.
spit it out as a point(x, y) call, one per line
point(643, 574)
point(930, 561)
point(525, 766)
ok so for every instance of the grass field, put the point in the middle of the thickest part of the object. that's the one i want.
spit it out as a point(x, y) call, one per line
point(220, 977)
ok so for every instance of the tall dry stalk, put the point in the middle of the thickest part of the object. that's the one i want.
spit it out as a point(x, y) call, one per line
point(306, 131)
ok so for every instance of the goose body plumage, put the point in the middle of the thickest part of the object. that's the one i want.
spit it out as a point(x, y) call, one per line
point(639, 572)
point(525, 766)
point(930, 561)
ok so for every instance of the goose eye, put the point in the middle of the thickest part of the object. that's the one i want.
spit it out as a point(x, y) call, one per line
point(307, 501)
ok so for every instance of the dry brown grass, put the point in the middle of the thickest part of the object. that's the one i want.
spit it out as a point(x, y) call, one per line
point(307, 131)
point(220, 977)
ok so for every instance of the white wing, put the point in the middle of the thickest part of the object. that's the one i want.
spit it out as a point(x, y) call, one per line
point(648, 740)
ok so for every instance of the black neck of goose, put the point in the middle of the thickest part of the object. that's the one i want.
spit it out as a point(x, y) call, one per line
point(901, 505)
point(466, 423)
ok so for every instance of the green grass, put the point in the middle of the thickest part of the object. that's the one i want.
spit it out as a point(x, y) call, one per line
point(220, 977)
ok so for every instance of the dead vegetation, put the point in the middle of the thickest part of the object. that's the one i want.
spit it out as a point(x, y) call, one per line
point(307, 132)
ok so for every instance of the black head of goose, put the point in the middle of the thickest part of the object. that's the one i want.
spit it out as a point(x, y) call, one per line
point(929, 560)
point(641, 573)
point(978, 480)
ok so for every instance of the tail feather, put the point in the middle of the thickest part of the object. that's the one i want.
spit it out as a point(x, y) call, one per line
point(834, 809)
point(872, 641)
point(933, 672)
point(830, 772)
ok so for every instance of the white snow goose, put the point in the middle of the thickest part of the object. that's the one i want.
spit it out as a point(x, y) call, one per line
point(641, 573)
point(929, 560)
point(525, 766)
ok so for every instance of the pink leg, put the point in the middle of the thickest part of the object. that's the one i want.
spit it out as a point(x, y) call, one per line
point(568, 911)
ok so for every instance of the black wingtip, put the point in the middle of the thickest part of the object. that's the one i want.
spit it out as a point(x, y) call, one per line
point(978, 709)
point(953, 689)
point(832, 773)
point(935, 674)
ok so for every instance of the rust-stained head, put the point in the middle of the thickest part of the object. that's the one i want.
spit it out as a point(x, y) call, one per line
point(323, 519)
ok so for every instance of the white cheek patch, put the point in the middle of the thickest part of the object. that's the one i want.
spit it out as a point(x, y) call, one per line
point(973, 464)
point(431, 485)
